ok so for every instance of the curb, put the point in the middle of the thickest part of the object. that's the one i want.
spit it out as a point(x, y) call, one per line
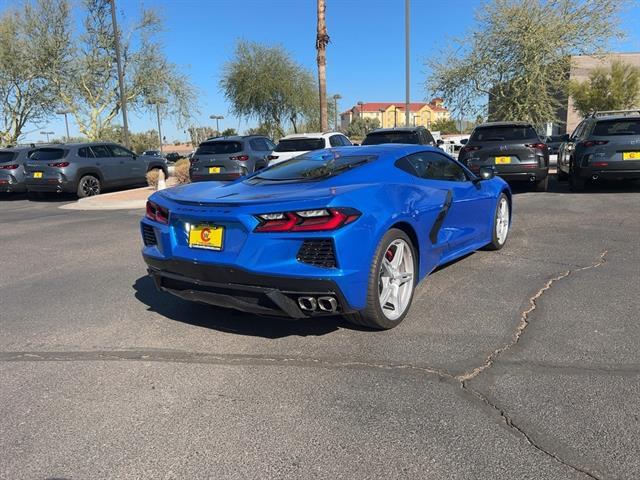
point(101, 202)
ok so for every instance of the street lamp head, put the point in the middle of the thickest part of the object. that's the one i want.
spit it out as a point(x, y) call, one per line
point(337, 96)
point(216, 117)
point(63, 112)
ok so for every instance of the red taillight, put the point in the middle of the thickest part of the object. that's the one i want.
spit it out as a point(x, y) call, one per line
point(59, 164)
point(600, 164)
point(242, 158)
point(8, 167)
point(157, 213)
point(540, 146)
point(272, 157)
point(470, 148)
point(320, 220)
point(593, 143)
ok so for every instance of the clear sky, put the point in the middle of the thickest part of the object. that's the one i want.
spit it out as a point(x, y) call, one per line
point(365, 59)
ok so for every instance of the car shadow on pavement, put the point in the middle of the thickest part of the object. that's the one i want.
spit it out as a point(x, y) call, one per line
point(232, 321)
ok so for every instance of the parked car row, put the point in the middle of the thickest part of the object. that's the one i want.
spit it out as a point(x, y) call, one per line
point(84, 169)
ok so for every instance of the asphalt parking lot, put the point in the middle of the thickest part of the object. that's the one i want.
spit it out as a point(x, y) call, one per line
point(522, 363)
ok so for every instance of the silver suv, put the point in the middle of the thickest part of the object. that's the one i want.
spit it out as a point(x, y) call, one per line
point(228, 158)
point(12, 161)
point(87, 168)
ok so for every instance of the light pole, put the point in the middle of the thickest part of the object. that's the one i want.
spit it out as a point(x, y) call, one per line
point(157, 102)
point(66, 122)
point(360, 104)
point(123, 98)
point(216, 118)
point(382, 110)
point(336, 97)
point(407, 12)
point(47, 134)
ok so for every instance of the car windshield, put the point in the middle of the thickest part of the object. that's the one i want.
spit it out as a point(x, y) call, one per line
point(608, 128)
point(391, 137)
point(215, 148)
point(48, 154)
point(310, 166)
point(503, 132)
point(6, 156)
point(299, 145)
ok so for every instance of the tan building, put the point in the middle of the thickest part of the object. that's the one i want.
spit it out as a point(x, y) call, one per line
point(581, 68)
point(391, 114)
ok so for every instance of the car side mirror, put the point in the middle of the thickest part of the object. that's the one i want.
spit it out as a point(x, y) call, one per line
point(440, 141)
point(464, 141)
point(486, 173)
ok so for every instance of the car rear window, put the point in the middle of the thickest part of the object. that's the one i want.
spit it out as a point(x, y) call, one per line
point(216, 148)
point(7, 156)
point(606, 128)
point(391, 137)
point(299, 145)
point(311, 166)
point(503, 133)
point(48, 154)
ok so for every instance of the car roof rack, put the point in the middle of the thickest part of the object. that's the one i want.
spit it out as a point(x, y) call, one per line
point(610, 113)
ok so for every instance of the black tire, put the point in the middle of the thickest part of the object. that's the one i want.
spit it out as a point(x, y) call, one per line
point(495, 243)
point(372, 316)
point(543, 185)
point(88, 186)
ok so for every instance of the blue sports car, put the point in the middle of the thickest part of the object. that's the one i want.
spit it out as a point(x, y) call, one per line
point(347, 230)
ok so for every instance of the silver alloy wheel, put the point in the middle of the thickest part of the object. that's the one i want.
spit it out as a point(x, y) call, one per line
point(395, 283)
point(502, 221)
point(90, 187)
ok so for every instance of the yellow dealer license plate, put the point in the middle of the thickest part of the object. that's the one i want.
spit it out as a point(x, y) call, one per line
point(37, 174)
point(214, 170)
point(631, 155)
point(502, 160)
point(206, 236)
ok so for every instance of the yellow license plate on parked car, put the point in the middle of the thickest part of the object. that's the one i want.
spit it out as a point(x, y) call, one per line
point(206, 236)
point(502, 160)
point(214, 170)
point(631, 155)
point(37, 174)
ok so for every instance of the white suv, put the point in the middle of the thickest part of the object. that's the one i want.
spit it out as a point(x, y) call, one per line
point(293, 145)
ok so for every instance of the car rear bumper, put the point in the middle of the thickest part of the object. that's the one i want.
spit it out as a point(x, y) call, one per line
point(231, 287)
point(219, 177)
point(608, 173)
point(9, 184)
point(517, 173)
point(50, 185)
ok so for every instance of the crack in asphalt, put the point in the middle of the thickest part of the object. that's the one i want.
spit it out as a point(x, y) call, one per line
point(524, 320)
point(462, 379)
point(511, 424)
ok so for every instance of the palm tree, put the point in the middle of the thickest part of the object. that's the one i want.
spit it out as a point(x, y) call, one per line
point(322, 39)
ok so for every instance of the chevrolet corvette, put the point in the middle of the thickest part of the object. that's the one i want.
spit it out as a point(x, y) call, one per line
point(343, 231)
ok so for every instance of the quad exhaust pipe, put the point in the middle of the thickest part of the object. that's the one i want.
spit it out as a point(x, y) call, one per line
point(312, 304)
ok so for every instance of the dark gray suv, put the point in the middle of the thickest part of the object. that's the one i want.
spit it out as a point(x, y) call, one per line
point(412, 135)
point(604, 145)
point(86, 168)
point(513, 149)
point(228, 158)
point(12, 169)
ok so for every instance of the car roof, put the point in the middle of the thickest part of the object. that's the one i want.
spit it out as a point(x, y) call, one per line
point(397, 129)
point(233, 138)
point(396, 149)
point(616, 117)
point(310, 135)
point(17, 148)
point(515, 123)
